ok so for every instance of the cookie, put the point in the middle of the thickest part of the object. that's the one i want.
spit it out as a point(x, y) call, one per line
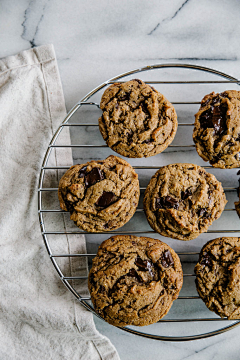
point(217, 129)
point(134, 280)
point(100, 195)
point(137, 120)
point(182, 200)
point(237, 203)
point(218, 276)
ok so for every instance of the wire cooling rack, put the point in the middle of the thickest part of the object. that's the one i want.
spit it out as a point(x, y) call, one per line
point(186, 313)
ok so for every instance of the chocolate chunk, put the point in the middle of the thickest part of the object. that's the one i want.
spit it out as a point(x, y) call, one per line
point(203, 212)
point(238, 173)
point(134, 274)
point(167, 259)
point(185, 194)
point(139, 81)
point(158, 203)
point(93, 177)
point(148, 141)
point(125, 97)
point(144, 107)
point(129, 137)
point(214, 117)
point(215, 100)
point(106, 199)
point(144, 265)
point(204, 103)
point(82, 172)
point(206, 260)
point(166, 202)
point(224, 94)
point(237, 157)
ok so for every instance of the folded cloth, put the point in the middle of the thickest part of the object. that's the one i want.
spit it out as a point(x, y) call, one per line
point(40, 318)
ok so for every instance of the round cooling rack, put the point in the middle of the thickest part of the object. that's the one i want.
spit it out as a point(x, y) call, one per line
point(184, 85)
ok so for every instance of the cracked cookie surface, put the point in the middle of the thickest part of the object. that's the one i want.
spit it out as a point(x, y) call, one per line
point(137, 120)
point(134, 280)
point(182, 200)
point(217, 129)
point(100, 195)
point(218, 276)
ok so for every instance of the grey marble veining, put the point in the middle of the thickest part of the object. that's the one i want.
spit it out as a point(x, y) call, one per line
point(96, 40)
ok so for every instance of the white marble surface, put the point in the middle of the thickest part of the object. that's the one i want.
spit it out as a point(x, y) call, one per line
point(95, 40)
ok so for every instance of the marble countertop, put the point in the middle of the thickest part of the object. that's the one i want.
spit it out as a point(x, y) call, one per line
point(96, 40)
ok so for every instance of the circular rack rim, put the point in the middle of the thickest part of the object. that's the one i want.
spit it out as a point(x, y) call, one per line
point(83, 101)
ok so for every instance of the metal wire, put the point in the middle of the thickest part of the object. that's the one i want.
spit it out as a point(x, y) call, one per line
point(67, 280)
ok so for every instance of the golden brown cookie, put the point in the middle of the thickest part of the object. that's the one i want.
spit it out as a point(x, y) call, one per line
point(237, 203)
point(182, 200)
point(134, 280)
point(217, 129)
point(100, 195)
point(218, 276)
point(137, 120)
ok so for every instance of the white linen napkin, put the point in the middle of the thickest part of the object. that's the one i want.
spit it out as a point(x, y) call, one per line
point(39, 317)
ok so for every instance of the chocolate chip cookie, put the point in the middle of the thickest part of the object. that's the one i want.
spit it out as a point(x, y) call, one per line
point(100, 195)
point(134, 280)
point(182, 200)
point(137, 120)
point(237, 203)
point(218, 276)
point(217, 129)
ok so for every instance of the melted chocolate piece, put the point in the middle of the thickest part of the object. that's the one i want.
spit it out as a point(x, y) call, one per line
point(144, 107)
point(139, 81)
point(215, 100)
point(203, 212)
point(214, 117)
point(144, 265)
point(206, 260)
point(185, 194)
point(238, 173)
point(129, 137)
point(134, 274)
point(93, 177)
point(167, 259)
point(148, 141)
point(166, 202)
point(82, 172)
point(237, 157)
point(204, 103)
point(107, 198)
point(125, 97)
point(224, 94)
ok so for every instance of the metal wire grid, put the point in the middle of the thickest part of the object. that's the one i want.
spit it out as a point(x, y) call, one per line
point(65, 279)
